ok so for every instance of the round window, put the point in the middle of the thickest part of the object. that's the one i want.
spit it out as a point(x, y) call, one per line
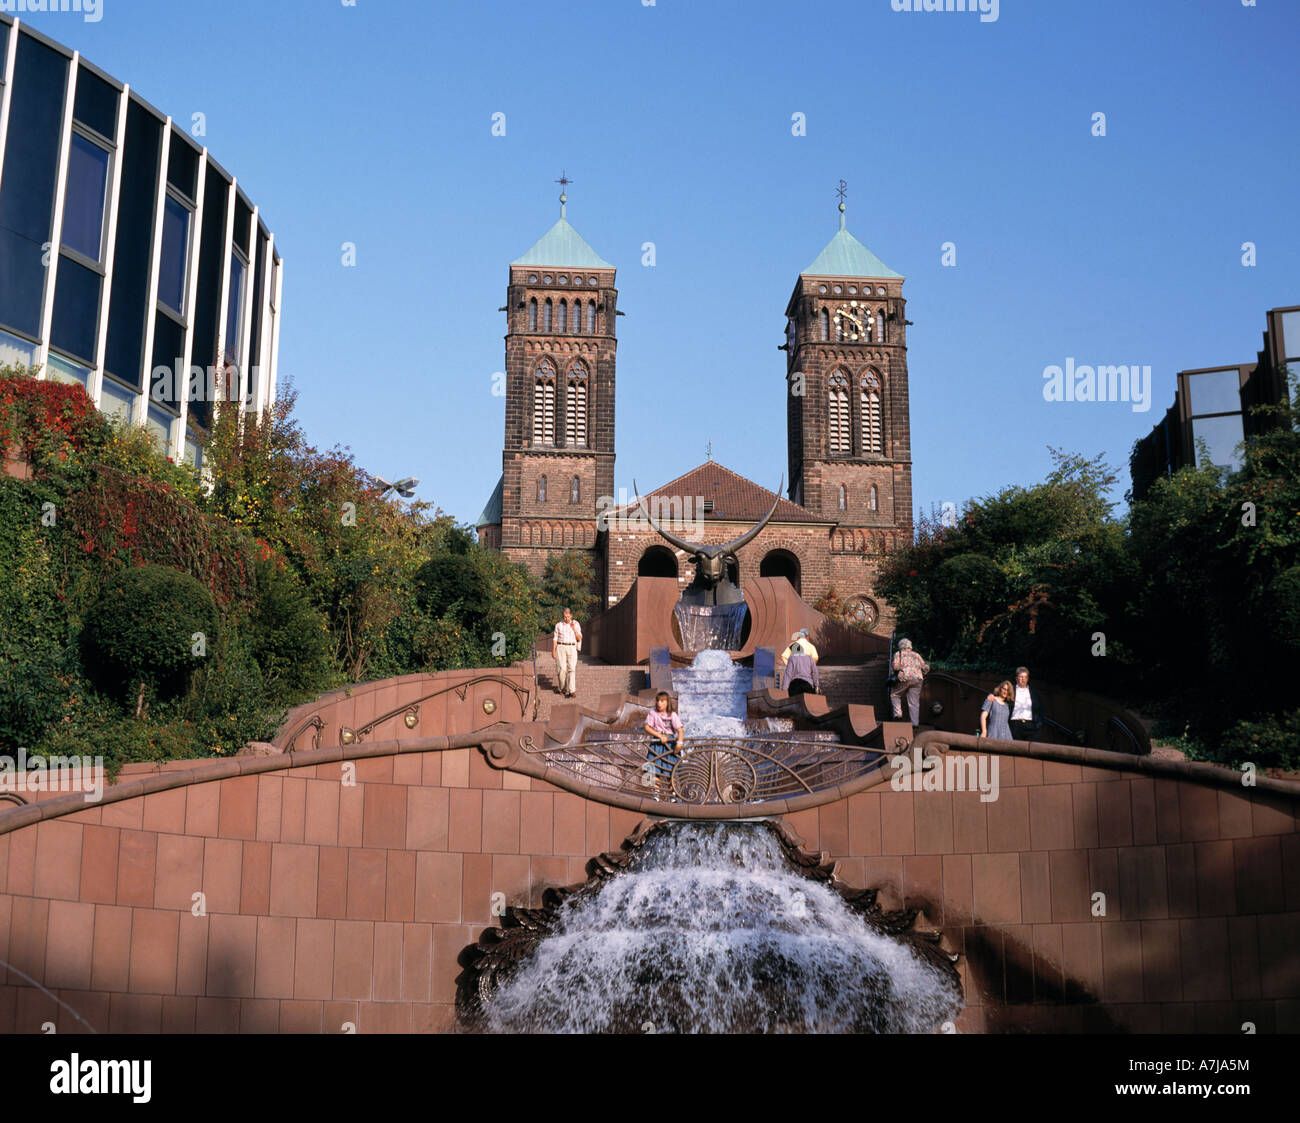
point(592, 281)
point(564, 280)
point(862, 611)
point(880, 291)
point(837, 289)
point(532, 278)
point(853, 288)
point(821, 288)
point(546, 280)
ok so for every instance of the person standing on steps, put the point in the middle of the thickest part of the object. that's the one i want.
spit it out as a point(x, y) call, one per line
point(565, 644)
point(800, 675)
point(1026, 709)
point(911, 670)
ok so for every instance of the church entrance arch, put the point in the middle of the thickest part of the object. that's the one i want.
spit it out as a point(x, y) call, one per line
point(780, 563)
point(657, 561)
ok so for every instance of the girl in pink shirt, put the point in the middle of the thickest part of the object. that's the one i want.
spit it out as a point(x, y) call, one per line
point(663, 724)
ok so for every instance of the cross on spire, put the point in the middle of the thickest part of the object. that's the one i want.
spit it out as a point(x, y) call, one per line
point(564, 182)
point(842, 190)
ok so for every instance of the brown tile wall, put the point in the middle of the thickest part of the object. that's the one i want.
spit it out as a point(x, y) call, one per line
point(287, 902)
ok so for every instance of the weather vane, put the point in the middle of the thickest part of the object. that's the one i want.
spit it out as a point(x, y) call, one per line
point(709, 449)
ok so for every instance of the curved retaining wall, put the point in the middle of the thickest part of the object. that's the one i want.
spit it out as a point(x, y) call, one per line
point(326, 902)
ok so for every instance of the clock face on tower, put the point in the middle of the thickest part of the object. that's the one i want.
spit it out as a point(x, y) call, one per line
point(850, 323)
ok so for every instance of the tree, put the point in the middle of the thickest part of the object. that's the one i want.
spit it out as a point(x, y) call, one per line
point(568, 582)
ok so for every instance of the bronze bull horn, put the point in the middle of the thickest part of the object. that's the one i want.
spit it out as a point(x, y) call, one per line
point(726, 548)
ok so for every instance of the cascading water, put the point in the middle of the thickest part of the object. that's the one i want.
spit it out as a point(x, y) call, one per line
point(711, 625)
point(712, 929)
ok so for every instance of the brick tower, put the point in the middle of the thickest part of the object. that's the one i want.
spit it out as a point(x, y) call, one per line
point(558, 456)
point(847, 408)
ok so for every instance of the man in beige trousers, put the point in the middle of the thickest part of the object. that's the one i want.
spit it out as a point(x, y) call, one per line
point(565, 644)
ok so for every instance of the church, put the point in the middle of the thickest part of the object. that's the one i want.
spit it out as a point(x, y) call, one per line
point(849, 500)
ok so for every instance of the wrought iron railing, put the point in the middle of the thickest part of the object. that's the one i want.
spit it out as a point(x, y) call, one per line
point(710, 770)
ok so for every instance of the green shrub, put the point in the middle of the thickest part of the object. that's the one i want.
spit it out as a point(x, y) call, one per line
point(140, 636)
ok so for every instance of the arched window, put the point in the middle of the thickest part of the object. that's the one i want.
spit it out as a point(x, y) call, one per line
point(544, 403)
point(591, 317)
point(575, 406)
point(532, 314)
point(824, 318)
point(844, 498)
point(873, 499)
point(541, 489)
point(872, 429)
point(575, 490)
point(546, 316)
point(564, 316)
point(880, 326)
point(839, 435)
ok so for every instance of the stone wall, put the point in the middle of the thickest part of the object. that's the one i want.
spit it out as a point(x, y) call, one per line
point(326, 903)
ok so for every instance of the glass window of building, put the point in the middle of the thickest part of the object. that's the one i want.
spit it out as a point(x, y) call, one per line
point(85, 196)
point(15, 351)
point(59, 369)
point(116, 401)
point(1291, 335)
point(235, 308)
point(1221, 436)
point(158, 425)
point(1215, 391)
point(174, 260)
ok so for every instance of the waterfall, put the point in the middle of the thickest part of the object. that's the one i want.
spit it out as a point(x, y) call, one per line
point(711, 625)
point(712, 929)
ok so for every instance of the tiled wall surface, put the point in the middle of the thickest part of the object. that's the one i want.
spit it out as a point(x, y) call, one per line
point(325, 904)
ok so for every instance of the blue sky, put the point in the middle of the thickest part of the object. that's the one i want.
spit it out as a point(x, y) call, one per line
point(371, 124)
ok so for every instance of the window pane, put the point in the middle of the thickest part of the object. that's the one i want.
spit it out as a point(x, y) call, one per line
point(83, 205)
point(1216, 391)
point(234, 309)
point(60, 369)
point(15, 351)
point(182, 165)
point(74, 327)
point(116, 402)
point(1221, 434)
point(1291, 335)
point(95, 104)
point(175, 256)
point(158, 425)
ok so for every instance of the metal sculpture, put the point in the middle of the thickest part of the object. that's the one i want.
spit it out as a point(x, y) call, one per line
point(712, 583)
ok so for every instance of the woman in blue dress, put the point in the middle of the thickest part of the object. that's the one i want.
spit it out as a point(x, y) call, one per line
point(995, 712)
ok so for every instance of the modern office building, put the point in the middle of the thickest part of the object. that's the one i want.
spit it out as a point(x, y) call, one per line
point(1216, 404)
point(130, 260)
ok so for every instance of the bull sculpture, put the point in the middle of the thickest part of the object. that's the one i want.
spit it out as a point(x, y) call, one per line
point(711, 585)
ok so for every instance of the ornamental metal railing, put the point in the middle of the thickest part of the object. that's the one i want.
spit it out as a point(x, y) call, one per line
point(711, 770)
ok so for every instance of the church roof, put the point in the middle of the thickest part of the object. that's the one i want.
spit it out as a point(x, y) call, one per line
point(491, 514)
point(562, 247)
point(735, 498)
point(845, 256)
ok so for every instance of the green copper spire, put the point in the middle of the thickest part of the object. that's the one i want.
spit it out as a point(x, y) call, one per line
point(845, 256)
point(562, 247)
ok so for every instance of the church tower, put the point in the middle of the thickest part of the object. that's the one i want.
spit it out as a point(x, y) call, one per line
point(849, 437)
point(558, 455)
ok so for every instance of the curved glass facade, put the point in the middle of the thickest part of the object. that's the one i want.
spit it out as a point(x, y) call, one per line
point(130, 261)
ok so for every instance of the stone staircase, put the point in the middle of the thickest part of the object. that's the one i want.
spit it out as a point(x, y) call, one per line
point(862, 683)
point(594, 679)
